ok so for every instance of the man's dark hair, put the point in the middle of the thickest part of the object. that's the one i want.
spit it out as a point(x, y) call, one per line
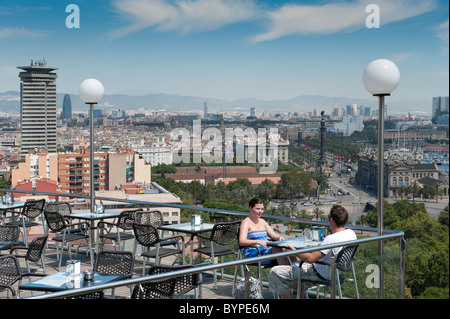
point(339, 214)
point(254, 201)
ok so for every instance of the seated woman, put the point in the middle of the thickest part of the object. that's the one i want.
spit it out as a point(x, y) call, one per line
point(255, 231)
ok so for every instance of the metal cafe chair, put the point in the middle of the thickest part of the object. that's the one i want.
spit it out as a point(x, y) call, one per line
point(115, 263)
point(155, 218)
point(221, 235)
point(9, 236)
point(62, 227)
point(154, 290)
point(30, 211)
point(10, 273)
point(183, 283)
point(34, 252)
point(343, 262)
point(117, 231)
point(147, 235)
point(258, 265)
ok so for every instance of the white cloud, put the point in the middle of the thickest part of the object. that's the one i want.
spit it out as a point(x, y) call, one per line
point(293, 19)
point(185, 16)
point(14, 32)
point(442, 31)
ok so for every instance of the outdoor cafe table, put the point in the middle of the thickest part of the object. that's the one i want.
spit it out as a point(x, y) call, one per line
point(59, 281)
point(297, 243)
point(4, 208)
point(92, 218)
point(187, 228)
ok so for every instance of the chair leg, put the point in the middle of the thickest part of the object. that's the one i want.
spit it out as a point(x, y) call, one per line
point(60, 256)
point(338, 283)
point(354, 281)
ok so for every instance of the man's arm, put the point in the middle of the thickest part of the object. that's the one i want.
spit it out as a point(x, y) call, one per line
point(308, 257)
point(311, 257)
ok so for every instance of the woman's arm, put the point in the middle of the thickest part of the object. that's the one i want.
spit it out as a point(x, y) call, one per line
point(271, 233)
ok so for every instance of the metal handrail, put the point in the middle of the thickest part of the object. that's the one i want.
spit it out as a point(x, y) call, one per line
point(387, 235)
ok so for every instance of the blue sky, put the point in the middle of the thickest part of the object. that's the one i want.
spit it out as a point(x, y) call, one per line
point(229, 49)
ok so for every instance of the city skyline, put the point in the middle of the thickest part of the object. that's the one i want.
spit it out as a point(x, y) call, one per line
point(235, 49)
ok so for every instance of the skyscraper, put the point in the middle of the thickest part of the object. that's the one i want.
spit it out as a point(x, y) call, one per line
point(67, 108)
point(439, 107)
point(205, 110)
point(37, 107)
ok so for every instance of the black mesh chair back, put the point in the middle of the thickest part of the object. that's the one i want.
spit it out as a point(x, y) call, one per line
point(35, 249)
point(9, 273)
point(154, 290)
point(183, 283)
point(33, 208)
point(345, 257)
point(154, 218)
point(61, 207)
point(225, 233)
point(126, 219)
point(96, 295)
point(115, 263)
point(55, 221)
point(9, 235)
point(146, 234)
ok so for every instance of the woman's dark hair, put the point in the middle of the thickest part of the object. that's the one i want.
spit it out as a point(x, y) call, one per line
point(339, 214)
point(254, 201)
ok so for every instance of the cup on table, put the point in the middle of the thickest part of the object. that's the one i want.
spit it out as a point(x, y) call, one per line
point(308, 235)
point(70, 267)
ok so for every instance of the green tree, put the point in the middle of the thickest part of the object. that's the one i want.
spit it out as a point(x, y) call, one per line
point(414, 189)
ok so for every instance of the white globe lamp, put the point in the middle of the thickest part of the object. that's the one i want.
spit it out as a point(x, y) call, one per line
point(91, 91)
point(381, 77)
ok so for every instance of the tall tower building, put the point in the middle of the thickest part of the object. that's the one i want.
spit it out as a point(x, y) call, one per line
point(205, 110)
point(37, 107)
point(67, 108)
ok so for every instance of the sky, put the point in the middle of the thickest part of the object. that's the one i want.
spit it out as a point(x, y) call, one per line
point(229, 49)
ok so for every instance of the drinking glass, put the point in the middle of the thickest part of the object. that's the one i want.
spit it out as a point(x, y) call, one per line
point(308, 235)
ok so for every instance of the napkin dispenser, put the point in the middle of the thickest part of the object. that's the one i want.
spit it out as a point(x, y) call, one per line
point(73, 268)
point(318, 233)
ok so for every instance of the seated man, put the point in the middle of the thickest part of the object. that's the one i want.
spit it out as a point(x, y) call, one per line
point(283, 278)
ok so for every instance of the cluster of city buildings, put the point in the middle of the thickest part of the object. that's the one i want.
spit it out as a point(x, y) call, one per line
point(50, 153)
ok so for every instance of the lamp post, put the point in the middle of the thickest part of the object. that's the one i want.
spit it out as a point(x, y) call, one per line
point(380, 78)
point(91, 92)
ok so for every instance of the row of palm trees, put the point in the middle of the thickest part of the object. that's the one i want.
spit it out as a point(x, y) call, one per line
point(293, 211)
point(425, 191)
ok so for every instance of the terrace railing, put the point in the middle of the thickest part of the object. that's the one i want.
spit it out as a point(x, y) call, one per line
point(391, 282)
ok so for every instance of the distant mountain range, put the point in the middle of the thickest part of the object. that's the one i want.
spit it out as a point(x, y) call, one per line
point(10, 102)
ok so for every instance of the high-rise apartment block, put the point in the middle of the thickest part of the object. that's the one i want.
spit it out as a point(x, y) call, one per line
point(37, 107)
